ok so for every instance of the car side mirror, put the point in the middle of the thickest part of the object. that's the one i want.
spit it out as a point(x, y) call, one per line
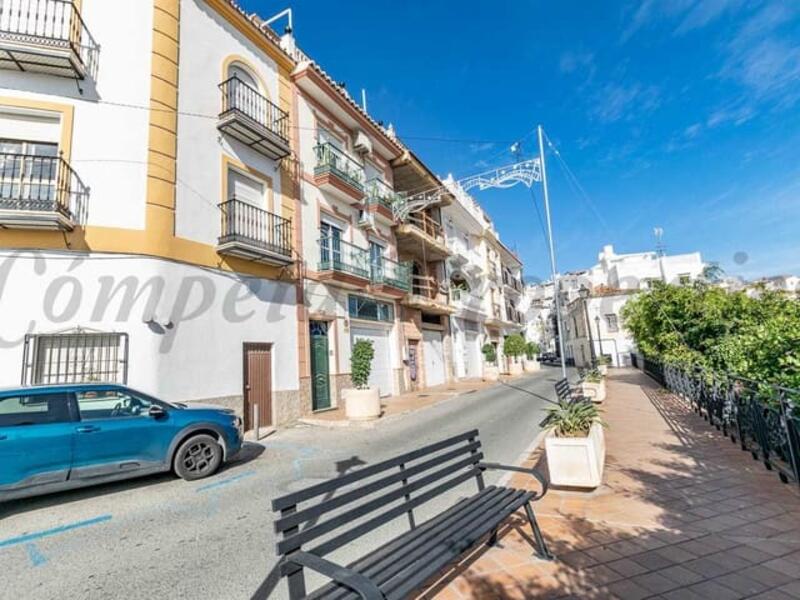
point(157, 412)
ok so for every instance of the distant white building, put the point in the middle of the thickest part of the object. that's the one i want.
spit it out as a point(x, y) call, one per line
point(777, 283)
point(592, 302)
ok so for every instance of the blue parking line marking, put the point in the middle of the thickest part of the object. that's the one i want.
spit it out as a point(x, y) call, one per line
point(34, 555)
point(31, 537)
point(223, 482)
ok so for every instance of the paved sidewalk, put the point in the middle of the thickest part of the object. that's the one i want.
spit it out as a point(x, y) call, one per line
point(405, 403)
point(683, 514)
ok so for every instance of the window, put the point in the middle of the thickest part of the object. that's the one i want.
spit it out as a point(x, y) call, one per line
point(684, 278)
point(245, 188)
point(612, 324)
point(28, 170)
point(372, 310)
point(330, 244)
point(75, 357)
point(106, 404)
point(650, 283)
point(33, 409)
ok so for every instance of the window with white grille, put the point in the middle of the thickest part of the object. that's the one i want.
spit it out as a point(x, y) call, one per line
point(75, 357)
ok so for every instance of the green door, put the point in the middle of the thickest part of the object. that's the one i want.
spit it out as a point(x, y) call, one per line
point(320, 380)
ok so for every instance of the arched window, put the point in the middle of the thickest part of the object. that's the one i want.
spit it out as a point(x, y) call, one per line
point(245, 93)
point(239, 72)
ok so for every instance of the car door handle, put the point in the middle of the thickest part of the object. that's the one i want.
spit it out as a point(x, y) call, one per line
point(87, 429)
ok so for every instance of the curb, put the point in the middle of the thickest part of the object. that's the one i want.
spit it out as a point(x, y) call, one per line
point(506, 478)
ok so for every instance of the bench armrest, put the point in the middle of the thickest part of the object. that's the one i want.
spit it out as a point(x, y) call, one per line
point(347, 577)
point(532, 472)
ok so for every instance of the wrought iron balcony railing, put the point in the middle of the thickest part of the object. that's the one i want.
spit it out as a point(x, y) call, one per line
point(331, 159)
point(239, 98)
point(380, 192)
point(512, 282)
point(247, 224)
point(390, 272)
point(46, 36)
point(344, 257)
point(41, 184)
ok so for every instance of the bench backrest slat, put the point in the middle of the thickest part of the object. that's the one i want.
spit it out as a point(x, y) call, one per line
point(383, 518)
point(306, 535)
point(563, 389)
point(327, 487)
point(317, 510)
point(336, 511)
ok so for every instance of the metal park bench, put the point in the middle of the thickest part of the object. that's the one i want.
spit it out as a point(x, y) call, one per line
point(566, 393)
point(318, 520)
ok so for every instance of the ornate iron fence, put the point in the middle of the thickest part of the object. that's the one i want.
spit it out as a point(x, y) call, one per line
point(761, 418)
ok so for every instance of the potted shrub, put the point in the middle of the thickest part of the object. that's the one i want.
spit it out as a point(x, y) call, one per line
point(603, 362)
point(531, 361)
point(514, 348)
point(575, 445)
point(362, 402)
point(593, 385)
point(490, 370)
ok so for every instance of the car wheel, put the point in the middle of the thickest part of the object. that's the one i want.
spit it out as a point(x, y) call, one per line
point(198, 457)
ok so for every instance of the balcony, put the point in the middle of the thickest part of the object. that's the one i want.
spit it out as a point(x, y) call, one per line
point(46, 36)
point(420, 235)
point(427, 295)
point(255, 234)
point(466, 259)
point(390, 277)
point(40, 192)
point(464, 299)
point(344, 263)
point(496, 317)
point(253, 120)
point(380, 199)
point(512, 284)
point(338, 173)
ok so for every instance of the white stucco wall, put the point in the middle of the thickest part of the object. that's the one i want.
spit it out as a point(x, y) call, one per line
point(212, 313)
point(109, 141)
point(207, 40)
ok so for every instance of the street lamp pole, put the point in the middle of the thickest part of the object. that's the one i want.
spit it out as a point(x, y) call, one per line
point(584, 293)
point(554, 271)
point(599, 337)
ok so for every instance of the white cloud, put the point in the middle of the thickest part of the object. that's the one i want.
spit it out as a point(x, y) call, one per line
point(480, 147)
point(616, 101)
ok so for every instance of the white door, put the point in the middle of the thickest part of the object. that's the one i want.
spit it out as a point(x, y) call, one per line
point(433, 350)
point(381, 374)
point(472, 360)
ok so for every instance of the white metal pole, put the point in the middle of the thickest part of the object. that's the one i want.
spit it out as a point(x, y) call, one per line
point(554, 270)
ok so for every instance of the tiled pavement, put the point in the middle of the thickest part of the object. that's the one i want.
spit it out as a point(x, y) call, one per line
point(683, 514)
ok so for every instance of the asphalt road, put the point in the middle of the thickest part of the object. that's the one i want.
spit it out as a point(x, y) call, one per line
point(160, 537)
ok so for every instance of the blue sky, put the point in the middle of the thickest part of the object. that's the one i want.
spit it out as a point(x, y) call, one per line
point(672, 113)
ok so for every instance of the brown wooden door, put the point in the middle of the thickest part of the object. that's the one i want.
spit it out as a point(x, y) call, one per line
point(257, 384)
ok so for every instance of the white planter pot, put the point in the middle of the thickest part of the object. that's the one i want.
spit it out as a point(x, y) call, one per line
point(603, 369)
point(531, 366)
point(491, 373)
point(596, 392)
point(362, 405)
point(514, 368)
point(576, 462)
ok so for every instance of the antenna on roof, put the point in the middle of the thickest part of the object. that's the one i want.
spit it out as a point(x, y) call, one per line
point(659, 233)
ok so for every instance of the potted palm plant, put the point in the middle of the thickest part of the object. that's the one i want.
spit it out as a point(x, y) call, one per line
point(514, 348)
point(603, 363)
point(490, 370)
point(362, 403)
point(575, 444)
point(531, 360)
point(593, 385)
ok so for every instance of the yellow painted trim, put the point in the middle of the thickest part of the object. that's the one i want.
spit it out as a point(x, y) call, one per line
point(228, 163)
point(66, 114)
point(251, 32)
point(238, 58)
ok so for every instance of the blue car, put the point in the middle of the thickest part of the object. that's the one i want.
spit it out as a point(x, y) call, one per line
point(54, 438)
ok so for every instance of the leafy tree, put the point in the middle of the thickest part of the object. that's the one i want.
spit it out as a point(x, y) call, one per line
point(754, 337)
point(361, 363)
point(514, 346)
point(532, 350)
point(489, 353)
